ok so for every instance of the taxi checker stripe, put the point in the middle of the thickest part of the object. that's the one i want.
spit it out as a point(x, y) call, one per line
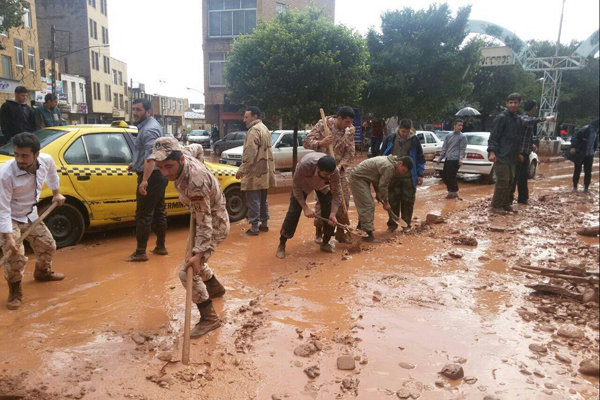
point(97, 171)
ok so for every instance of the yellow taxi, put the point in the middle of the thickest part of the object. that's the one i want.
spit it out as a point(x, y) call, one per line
point(92, 163)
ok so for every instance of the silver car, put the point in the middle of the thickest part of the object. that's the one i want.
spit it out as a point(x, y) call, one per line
point(199, 136)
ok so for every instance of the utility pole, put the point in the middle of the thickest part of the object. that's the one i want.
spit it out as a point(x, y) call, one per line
point(53, 57)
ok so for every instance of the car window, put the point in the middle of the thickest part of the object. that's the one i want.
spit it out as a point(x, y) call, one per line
point(75, 154)
point(287, 140)
point(301, 137)
point(101, 148)
point(46, 136)
point(421, 138)
point(477, 140)
point(430, 138)
point(230, 136)
point(274, 137)
point(241, 136)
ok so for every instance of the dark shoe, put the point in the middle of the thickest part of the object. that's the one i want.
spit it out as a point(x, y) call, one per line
point(137, 257)
point(392, 229)
point(214, 287)
point(15, 295)
point(407, 229)
point(585, 190)
point(369, 238)
point(160, 251)
point(250, 232)
point(326, 248)
point(208, 320)
point(318, 235)
point(498, 211)
point(46, 275)
point(263, 228)
point(510, 209)
point(575, 189)
point(525, 203)
point(280, 251)
point(452, 195)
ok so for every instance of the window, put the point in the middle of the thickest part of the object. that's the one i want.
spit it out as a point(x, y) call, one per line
point(120, 77)
point(92, 3)
point(20, 62)
point(26, 17)
point(6, 71)
point(103, 7)
point(114, 76)
point(231, 17)
point(216, 65)
point(95, 60)
point(73, 94)
point(116, 100)
point(97, 91)
point(280, 8)
point(121, 105)
point(81, 95)
point(93, 29)
point(430, 138)
point(104, 35)
point(99, 148)
point(421, 138)
point(107, 93)
point(106, 64)
point(31, 58)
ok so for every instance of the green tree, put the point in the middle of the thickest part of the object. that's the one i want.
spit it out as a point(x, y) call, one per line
point(297, 64)
point(11, 14)
point(418, 63)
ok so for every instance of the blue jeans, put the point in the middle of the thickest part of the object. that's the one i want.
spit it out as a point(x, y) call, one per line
point(258, 208)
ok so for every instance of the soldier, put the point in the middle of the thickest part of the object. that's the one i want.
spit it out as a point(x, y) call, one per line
point(21, 182)
point(342, 139)
point(200, 192)
point(316, 171)
point(376, 171)
point(257, 171)
point(194, 150)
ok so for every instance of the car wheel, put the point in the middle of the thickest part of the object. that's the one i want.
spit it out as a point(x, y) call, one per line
point(532, 169)
point(218, 151)
point(491, 178)
point(66, 225)
point(235, 203)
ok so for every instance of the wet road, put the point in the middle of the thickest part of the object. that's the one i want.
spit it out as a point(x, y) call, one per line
point(394, 302)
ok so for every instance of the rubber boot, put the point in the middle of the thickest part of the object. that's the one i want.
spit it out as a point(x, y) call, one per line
point(46, 275)
point(15, 295)
point(214, 287)
point(208, 320)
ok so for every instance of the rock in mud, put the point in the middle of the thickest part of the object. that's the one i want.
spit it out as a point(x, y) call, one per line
point(406, 365)
point(549, 385)
point(138, 339)
point(313, 371)
point(411, 389)
point(346, 362)
point(571, 332)
point(491, 397)
point(466, 241)
point(562, 358)
point(497, 228)
point(305, 350)
point(165, 356)
point(455, 254)
point(471, 380)
point(589, 367)
point(453, 371)
point(350, 385)
point(538, 348)
point(433, 218)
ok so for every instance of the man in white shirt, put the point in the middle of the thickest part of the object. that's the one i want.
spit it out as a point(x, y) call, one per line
point(21, 182)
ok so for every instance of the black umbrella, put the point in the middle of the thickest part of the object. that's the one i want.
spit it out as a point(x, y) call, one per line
point(467, 112)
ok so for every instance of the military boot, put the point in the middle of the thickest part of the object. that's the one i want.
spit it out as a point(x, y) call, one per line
point(15, 295)
point(46, 275)
point(214, 287)
point(208, 320)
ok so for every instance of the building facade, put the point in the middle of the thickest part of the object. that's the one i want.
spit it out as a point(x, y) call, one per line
point(74, 88)
point(119, 91)
point(222, 22)
point(19, 57)
point(86, 54)
point(168, 111)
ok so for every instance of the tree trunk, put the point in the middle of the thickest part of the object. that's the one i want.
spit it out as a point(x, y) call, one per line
point(295, 148)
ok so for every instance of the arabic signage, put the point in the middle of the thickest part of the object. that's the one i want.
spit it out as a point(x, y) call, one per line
point(8, 85)
point(497, 56)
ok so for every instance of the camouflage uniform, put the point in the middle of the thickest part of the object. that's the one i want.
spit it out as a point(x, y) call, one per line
point(201, 193)
point(194, 150)
point(344, 150)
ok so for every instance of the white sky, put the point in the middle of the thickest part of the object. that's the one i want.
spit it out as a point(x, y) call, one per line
point(162, 45)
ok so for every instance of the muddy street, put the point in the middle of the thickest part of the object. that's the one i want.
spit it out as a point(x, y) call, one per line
point(378, 324)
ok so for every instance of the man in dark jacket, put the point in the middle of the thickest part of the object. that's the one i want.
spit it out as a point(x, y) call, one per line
point(16, 116)
point(503, 151)
point(583, 146)
point(403, 187)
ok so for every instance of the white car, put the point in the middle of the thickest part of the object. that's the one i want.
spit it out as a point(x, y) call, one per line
point(282, 142)
point(431, 144)
point(199, 136)
point(476, 158)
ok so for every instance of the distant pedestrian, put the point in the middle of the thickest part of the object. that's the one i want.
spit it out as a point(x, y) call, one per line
point(377, 127)
point(526, 146)
point(201, 193)
point(21, 182)
point(315, 172)
point(503, 151)
point(583, 146)
point(48, 114)
point(453, 150)
point(342, 139)
point(378, 172)
point(215, 134)
point(257, 171)
point(16, 116)
point(403, 187)
point(184, 137)
point(150, 214)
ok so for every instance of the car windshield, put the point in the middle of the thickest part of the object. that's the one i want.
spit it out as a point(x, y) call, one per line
point(274, 137)
point(477, 140)
point(46, 136)
point(199, 133)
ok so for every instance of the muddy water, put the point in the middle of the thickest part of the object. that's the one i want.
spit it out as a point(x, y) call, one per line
point(393, 302)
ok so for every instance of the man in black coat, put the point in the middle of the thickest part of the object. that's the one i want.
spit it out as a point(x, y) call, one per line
point(583, 146)
point(16, 116)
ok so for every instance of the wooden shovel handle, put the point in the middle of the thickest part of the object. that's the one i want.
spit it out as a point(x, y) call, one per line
point(185, 356)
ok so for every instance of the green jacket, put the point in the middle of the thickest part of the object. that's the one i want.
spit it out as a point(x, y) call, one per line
point(377, 170)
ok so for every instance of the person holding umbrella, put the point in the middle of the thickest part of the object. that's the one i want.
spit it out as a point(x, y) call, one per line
point(466, 113)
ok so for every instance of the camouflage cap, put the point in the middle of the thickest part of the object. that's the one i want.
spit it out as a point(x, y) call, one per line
point(163, 147)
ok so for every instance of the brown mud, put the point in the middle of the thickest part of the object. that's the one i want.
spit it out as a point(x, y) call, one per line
point(402, 309)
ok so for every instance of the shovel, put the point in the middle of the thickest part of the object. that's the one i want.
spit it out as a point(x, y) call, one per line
point(355, 238)
point(395, 217)
point(29, 230)
point(185, 356)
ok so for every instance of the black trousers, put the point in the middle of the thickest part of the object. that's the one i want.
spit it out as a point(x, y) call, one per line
point(587, 169)
point(520, 181)
point(449, 175)
point(290, 222)
point(150, 214)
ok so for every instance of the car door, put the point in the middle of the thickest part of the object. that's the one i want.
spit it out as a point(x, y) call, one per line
point(97, 165)
point(282, 151)
point(430, 145)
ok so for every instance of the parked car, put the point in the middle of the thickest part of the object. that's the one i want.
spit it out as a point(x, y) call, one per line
point(92, 162)
point(476, 158)
point(282, 142)
point(232, 139)
point(442, 134)
point(430, 143)
point(200, 136)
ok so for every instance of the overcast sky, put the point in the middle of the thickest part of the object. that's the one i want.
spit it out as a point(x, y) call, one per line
point(162, 45)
